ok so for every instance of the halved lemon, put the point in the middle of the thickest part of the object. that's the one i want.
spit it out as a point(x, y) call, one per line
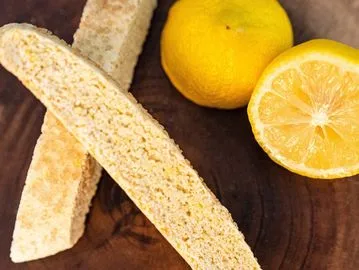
point(304, 111)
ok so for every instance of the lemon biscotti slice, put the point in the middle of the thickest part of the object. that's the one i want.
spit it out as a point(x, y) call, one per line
point(133, 147)
point(62, 177)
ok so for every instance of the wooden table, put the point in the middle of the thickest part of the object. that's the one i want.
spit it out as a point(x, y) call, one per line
point(291, 222)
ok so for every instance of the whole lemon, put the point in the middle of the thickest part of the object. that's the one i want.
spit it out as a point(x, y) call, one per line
point(214, 51)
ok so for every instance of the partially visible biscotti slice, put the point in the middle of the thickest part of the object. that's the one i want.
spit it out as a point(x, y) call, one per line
point(62, 177)
point(133, 147)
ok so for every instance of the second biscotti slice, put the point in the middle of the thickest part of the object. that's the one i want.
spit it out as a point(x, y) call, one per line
point(134, 148)
point(63, 176)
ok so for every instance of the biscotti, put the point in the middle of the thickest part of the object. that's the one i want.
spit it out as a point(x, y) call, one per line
point(62, 177)
point(133, 147)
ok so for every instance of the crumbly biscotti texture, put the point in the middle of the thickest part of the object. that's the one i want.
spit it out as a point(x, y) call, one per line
point(63, 177)
point(133, 147)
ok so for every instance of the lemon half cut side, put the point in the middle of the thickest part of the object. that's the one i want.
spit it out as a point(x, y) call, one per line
point(304, 111)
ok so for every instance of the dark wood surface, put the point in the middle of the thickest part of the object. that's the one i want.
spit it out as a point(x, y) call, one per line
point(291, 222)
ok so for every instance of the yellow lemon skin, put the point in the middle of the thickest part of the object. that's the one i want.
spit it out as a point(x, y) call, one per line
point(214, 51)
point(304, 110)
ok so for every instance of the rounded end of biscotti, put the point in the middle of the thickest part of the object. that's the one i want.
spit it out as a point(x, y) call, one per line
point(24, 251)
point(13, 27)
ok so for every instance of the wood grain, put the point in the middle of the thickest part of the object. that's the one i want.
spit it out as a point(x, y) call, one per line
point(291, 222)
